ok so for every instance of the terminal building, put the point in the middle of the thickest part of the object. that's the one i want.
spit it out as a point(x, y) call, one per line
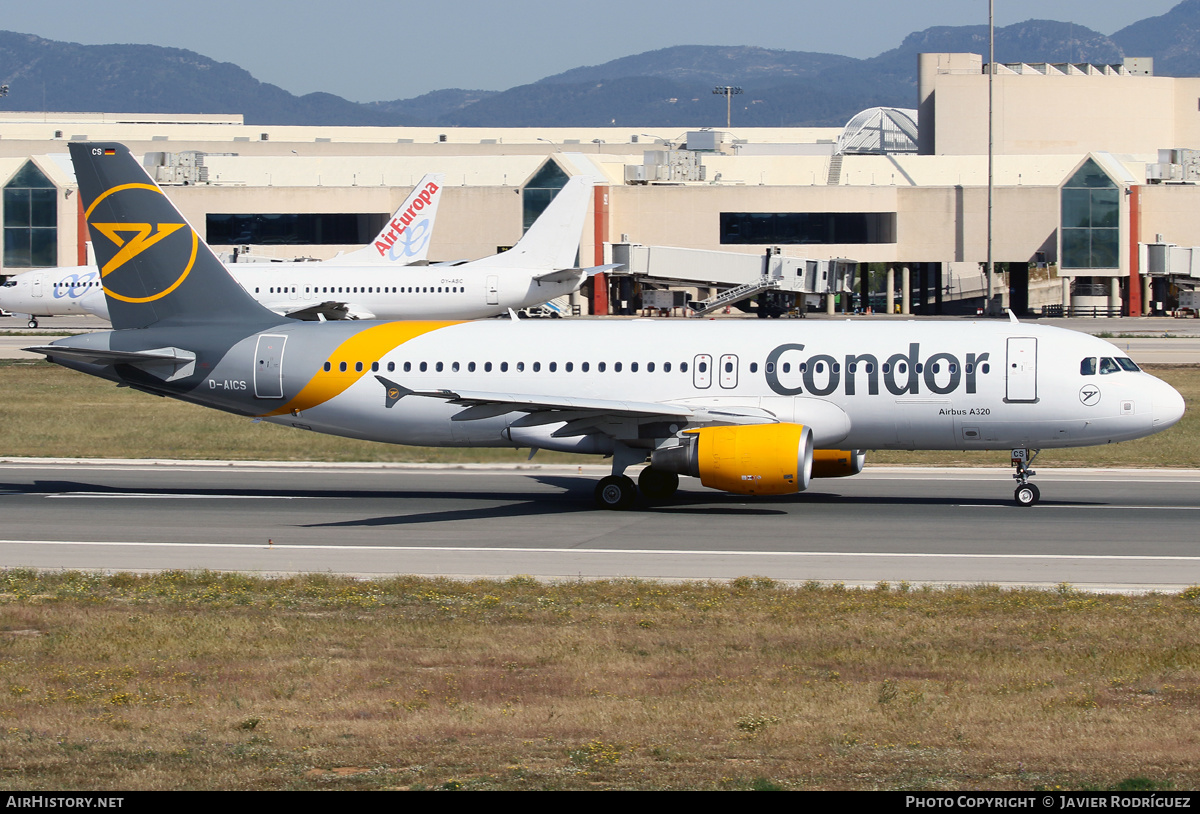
point(1095, 180)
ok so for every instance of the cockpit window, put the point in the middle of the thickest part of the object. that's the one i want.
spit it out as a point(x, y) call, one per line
point(1108, 365)
point(1126, 363)
point(1088, 367)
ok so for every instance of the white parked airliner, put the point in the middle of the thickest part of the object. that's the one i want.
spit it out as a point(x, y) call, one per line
point(751, 407)
point(380, 280)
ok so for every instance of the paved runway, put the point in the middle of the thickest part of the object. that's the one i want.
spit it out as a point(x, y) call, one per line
point(1097, 529)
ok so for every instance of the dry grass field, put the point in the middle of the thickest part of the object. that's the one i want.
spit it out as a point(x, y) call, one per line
point(201, 681)
point(53, 412)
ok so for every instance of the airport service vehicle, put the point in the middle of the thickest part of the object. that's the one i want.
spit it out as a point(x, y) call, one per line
point(749, 407)
point(388, 278)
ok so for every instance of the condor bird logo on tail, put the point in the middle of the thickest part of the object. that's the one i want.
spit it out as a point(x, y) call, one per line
point(131, 239)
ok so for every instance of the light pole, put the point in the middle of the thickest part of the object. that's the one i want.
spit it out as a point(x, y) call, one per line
point(728, 91)
point(991, 266)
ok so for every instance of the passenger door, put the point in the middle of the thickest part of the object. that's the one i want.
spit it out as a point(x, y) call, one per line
point(1021, 370)
point(268, 366)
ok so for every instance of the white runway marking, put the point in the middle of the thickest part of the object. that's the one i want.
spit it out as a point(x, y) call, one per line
point(155, 495)
point(645, 551)
point(1086, 508)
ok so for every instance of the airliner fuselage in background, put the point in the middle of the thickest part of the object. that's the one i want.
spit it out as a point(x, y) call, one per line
point(381, 279)
point(750, 407)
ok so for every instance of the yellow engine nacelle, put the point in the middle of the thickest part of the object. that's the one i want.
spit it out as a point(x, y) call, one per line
point(838, 463)
point(755, 459)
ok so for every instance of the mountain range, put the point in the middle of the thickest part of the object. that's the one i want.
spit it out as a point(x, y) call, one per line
point(670, 87)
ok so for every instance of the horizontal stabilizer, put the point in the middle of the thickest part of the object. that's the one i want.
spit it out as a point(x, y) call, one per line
point(565, 275)
point(165, 363)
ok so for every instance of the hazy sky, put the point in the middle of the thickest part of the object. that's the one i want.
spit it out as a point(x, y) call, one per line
point(375, 50)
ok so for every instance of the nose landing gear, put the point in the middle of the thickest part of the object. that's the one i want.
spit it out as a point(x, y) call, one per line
point(1026, 494)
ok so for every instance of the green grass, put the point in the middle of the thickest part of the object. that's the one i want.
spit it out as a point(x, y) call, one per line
point(49, 411)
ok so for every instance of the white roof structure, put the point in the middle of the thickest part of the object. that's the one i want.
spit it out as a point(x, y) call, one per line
point(880, 130)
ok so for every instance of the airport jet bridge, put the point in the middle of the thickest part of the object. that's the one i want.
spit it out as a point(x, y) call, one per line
point(1171, 277)
point(778, 284)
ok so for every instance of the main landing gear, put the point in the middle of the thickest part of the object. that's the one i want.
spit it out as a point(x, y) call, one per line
point(1026, 494)
point(618, 492)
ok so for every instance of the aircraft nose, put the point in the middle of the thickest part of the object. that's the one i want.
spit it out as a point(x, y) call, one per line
point(1168, 406)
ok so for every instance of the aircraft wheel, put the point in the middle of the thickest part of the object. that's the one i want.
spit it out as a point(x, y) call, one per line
point(615, 492)
point(33, 323)
point(1027, 494)
point(657, 484)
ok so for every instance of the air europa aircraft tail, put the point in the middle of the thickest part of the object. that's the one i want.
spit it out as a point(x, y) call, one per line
point(405, 238)
point(154, 267)
point(552, 242)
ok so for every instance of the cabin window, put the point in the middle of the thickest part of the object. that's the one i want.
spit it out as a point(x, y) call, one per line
point(391, 367)
point(487, 367)
point(537, 367)
point(374, 367)
point(408, 367)
point(342, 367)
point(438, 367)
point(328, 367)
point(600, 366)
point(649, 367)
point(570, 367)
point(358, 367)
point(424, 366)
point(617, 367)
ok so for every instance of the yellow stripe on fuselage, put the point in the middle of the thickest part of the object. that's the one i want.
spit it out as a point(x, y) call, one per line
point(366, 346)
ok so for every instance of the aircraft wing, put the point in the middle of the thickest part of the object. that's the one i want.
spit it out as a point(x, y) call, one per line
point(328, 310)
point(564, 275)
point(581, 415)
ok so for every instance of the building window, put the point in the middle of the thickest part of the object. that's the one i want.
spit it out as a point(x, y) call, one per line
point(1091, 235)
point(792, 228)
point(296, 229)
point(540, 191)
point(30, 220)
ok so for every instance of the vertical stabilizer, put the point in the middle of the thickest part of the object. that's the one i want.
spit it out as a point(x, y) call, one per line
point(552, 242)
point(405, 238)
point(154, 267)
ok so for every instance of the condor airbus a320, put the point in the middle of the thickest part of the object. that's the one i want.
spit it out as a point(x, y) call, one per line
point(749, 407)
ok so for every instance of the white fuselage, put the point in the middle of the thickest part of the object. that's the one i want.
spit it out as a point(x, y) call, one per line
point(377, 291)
point(860, 385)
